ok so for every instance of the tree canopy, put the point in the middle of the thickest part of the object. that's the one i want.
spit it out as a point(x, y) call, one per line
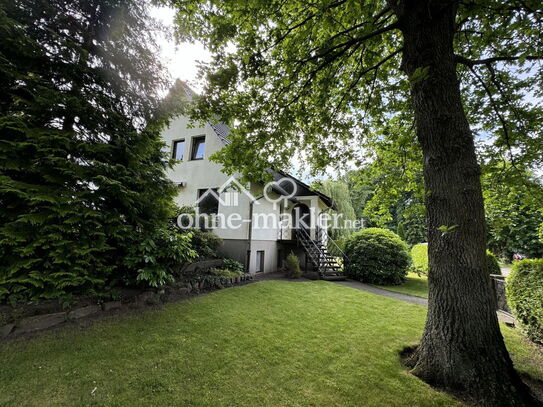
point(322, 76)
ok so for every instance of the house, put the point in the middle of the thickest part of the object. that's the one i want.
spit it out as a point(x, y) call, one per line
point(259, 223)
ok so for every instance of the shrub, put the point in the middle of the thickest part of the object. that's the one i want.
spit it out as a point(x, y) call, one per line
point(377, 256)
point(223, 272)
point(233, 265)
point(492, 264)
point(524, 291)
point(293, 269)
point(419, 255)
point(205, 244)
point(156, 257)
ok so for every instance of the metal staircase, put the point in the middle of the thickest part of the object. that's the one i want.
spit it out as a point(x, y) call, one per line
point(325, 263)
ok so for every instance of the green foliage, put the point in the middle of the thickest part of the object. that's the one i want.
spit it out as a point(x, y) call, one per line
point(339, 192)
point(492, 264)
point(82, 180)
point(233, 265)
point(377, 256)
point(204, 243)
point(157, 256)
point(225, 272)
point(293, 269)
point(514, 209)
point(328, 74)
point(400, 230)
point(419, 255)
point(525, 296)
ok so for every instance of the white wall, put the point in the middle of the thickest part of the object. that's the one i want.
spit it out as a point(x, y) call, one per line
point(205, 174)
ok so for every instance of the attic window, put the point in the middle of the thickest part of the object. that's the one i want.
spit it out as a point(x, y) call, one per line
point(198, 148)
point(178, 148)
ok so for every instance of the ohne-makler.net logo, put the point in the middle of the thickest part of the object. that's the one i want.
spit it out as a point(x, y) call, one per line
point(275, 192)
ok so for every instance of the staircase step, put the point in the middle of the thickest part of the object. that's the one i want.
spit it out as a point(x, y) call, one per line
point(332, 271)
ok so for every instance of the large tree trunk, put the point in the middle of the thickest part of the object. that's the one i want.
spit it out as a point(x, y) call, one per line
point(462, 349)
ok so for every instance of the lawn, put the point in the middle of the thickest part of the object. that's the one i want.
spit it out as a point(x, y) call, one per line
point(413, 285)
point(265, 344)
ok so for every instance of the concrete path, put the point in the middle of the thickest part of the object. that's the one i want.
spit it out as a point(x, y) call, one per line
point(502, 316)
point(384, 293)
point(506, 271)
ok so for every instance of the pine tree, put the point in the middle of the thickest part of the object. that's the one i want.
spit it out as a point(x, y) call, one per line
point(81, 169)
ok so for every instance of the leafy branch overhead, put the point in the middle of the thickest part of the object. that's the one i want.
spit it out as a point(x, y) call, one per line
point(321, 75)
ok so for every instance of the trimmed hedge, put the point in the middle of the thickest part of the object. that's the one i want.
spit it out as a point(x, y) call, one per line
point(492, 263)
point(524, 291)
point(377, 256)
point(419, 255)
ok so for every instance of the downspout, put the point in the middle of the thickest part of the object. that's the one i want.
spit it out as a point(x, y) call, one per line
point(250, 233)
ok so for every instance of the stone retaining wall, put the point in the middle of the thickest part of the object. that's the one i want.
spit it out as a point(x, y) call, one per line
point(498, 286)
point(36, 323)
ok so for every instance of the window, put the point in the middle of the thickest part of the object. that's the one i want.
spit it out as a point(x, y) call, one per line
point(208, 201)
point(260, 261)
point(198, 148)
point(178, 149)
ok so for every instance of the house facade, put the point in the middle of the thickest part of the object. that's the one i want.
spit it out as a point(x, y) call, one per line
point(259, 223)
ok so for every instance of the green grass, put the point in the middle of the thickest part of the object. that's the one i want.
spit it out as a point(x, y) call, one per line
point(265, 344)
point(414, 285)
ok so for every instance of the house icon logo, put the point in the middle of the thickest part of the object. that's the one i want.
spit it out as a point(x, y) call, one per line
point(228, 193)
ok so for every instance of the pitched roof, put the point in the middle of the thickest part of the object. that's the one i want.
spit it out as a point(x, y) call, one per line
point(222, 131)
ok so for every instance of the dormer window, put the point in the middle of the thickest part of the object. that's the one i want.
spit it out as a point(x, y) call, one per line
point(177, 149)
point(198, 148)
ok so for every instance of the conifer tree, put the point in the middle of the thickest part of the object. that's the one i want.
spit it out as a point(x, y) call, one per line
point(82, 179)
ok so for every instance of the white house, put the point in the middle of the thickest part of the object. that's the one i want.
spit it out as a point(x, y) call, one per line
point(259, 224)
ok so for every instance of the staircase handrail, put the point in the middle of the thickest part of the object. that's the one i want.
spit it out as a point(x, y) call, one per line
point(329, 239)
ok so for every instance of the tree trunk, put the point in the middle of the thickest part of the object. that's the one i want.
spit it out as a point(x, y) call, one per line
point(462, 349)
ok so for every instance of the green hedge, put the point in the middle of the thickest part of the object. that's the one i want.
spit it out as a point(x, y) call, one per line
point(492, 263)
point(524, 291)
point(376, 256)
point(419, 255)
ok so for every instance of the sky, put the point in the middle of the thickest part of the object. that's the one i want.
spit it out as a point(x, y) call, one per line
point(181, 62)
point(181, 59)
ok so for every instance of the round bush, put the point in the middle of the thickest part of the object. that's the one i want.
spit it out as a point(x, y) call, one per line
point(376, 256)
point(524, 290)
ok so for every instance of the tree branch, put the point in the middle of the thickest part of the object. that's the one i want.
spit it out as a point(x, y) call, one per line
point(497, 111)
point(472, 62)
point(355, 82)
point(351, 42)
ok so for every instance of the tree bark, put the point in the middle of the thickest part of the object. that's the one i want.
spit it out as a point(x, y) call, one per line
point(462, 349)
